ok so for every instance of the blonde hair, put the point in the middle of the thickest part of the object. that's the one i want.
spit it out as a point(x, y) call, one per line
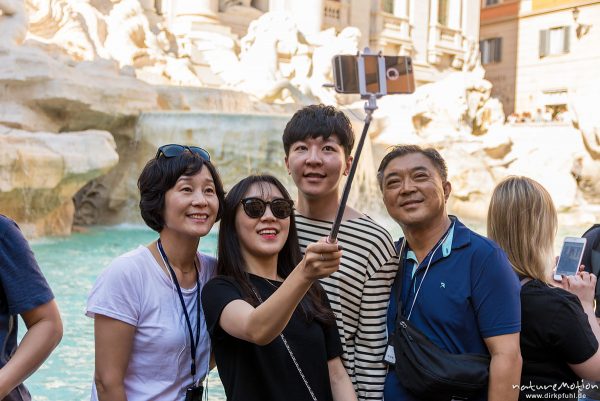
point(522, 220)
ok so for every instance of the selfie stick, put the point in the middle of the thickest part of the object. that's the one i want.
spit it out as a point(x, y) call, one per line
point(370, 107)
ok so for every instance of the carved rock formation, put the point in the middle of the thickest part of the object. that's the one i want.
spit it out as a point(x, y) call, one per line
point(13, 22)
point(65, 95)
point(40, 172)
point(586, 119)
point(326, 45)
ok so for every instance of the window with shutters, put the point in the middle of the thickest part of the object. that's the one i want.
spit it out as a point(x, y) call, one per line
point(443, 12)
point(491, 50)
point(555, 41)
point(388, 6)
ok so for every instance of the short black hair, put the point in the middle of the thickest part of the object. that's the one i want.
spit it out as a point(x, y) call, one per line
point(318, 120)
point(402, 150)
point(161, 174)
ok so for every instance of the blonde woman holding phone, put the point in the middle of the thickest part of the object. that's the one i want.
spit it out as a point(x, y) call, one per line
point(559, 332)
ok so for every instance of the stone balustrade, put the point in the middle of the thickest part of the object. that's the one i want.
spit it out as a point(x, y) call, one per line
point(335, 15)
point(446, 41)
point(394, 33)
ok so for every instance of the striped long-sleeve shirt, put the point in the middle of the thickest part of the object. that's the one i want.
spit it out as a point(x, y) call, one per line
point(359, 294)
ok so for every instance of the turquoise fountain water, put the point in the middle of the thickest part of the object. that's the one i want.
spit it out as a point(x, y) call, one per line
point(71, 266)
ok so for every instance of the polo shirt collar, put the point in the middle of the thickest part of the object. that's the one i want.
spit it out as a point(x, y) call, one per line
point(462, 235)
point(459, 236)
point(446, 246)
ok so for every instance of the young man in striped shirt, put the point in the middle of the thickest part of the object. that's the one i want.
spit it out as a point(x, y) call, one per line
point(317, 143)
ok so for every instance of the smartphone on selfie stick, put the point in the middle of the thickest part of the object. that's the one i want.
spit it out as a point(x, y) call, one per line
point(372, 76)
point(570, 257)
point(381, 75)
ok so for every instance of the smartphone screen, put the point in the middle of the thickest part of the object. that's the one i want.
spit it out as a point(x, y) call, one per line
point(372, 73)
point(570, 258)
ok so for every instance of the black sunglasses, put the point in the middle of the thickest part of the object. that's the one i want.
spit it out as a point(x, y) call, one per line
point(256, 207)
point(174, 150)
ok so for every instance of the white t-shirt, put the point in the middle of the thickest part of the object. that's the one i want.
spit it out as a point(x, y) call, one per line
point(135, 289)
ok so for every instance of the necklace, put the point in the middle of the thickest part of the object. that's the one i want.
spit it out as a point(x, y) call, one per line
point(426, 269)
point(270, 283)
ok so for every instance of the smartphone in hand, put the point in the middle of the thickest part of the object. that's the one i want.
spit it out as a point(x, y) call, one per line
point(570, 257)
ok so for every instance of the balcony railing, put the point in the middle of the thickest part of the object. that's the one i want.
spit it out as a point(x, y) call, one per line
point(396, 27)
point(445, 41)
point(335, 14)
point(332, 10)
point(449, 38)
point(392, 33)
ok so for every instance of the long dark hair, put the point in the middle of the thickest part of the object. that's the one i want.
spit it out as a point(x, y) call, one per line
point(232, 264)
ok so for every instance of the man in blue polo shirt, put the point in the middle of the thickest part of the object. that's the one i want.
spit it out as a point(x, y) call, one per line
point(457, 287)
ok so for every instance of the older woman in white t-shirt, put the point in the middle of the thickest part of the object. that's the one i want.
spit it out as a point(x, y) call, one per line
point(150, 334)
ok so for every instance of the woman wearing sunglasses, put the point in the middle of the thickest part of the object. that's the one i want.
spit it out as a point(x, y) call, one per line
point(150, 335)
point(274, 336)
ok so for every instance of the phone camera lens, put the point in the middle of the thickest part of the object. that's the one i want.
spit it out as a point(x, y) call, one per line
point(392, 74)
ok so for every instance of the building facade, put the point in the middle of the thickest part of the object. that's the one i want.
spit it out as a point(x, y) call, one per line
point(540, 54)
point(438, 34)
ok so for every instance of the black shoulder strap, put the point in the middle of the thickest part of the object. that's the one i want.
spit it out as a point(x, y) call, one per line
point(593, 237)
point(396, 293)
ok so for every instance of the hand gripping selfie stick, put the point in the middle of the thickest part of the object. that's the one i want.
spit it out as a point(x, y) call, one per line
point(370, 107)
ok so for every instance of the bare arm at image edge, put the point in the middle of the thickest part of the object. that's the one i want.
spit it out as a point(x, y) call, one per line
point(583, 285)
point(341, 386)
point(114, 342)
point(44, 332)
point(590, 369)
point(505, 367)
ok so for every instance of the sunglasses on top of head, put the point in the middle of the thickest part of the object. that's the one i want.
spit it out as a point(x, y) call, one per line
point(174, 150)
point(256, 207)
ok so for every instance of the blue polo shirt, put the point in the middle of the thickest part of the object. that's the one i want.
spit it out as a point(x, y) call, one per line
point(469, 293)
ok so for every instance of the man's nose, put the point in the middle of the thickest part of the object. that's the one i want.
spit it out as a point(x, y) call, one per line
point(314, 156)
point(407, 186)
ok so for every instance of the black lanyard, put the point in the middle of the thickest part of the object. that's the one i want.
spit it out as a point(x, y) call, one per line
point(193, 344)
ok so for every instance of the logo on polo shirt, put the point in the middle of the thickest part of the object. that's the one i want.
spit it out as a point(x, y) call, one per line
point(442, 284)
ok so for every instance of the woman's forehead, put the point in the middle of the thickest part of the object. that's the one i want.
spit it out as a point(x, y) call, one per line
point(264, 190)
point(201, 175)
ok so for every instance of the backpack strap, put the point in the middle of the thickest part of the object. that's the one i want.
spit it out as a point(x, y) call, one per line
point(396, 292)
point(593, 237)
